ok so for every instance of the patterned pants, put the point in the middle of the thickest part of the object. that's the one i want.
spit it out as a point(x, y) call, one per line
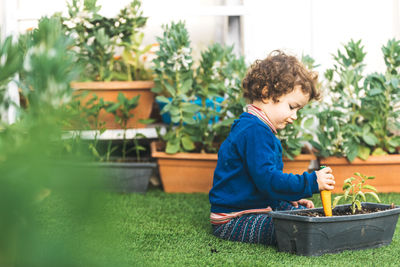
point(251, 228)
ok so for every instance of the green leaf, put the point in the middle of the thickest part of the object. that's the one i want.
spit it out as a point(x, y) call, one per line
point(345, 186)
point(370, 187)
point(190, 107)
point(379, 152)
point(374, 195)
point(353, 152)
point(146, 121)
point(186, 86)
point(172, 147)
point(335, 201)
point(162, 99)
point(375, 91)
point(363, 152)
point(346, 193)
point(187, 143)
point(358, 204)
point(370, 138)
point(349, 180)
point(170, 89)
point(113, 108)
point(361, 194)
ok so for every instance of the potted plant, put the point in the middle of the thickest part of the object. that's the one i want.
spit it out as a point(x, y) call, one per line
point(123, 165)
point(357, 124)
point(358, 225)
point(38, 180)
point(98, 40)
point(186, 154)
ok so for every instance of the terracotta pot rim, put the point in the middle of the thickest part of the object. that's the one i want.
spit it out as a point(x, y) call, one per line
point(381, 159)
point(143, 84)
point(181, 155)
point(301, 157)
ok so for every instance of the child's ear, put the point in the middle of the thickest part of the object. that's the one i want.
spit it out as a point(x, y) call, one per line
point(264, 92)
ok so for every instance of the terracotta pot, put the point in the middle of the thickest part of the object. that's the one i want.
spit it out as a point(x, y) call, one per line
point(185, 172)
point(109, 92)
point(299, 164)
point(385, 169)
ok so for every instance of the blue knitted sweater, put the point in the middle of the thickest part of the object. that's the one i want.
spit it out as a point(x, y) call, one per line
point(249, 170)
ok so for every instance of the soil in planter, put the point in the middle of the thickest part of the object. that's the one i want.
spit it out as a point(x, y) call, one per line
point(345, 212)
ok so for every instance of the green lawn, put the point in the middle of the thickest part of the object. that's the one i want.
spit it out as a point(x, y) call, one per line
point(159, 229)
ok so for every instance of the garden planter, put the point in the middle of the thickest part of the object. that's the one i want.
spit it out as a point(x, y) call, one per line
point(299, 164)
point(125, 177)
point(109, 92)
point(185, 172)
point(385, 168)
point(313, 236)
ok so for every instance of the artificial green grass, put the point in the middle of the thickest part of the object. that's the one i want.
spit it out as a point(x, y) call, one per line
point(160, 229)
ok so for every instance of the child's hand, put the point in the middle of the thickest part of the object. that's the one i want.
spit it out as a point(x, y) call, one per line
point(304, 202)
point(325, 179)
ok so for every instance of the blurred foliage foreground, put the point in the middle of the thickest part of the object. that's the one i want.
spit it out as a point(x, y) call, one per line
point(34, 164)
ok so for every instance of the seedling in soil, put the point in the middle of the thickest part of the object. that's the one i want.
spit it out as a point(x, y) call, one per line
point(354, 191)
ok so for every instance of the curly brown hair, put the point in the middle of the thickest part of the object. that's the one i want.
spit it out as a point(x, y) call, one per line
point(277, 75)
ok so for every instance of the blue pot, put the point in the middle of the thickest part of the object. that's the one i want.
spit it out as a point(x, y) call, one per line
point(166, 118)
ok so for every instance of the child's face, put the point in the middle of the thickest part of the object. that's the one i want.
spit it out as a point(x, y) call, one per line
point(285, 110)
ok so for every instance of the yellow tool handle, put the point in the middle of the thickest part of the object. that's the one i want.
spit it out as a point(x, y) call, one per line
point(326, 198)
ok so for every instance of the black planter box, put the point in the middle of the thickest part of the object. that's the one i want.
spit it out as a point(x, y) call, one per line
point(121, 177)
point(314, 236)
point(127, 177)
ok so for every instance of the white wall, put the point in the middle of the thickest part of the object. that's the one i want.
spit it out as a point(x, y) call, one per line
point(314, 27)
point(320, 27)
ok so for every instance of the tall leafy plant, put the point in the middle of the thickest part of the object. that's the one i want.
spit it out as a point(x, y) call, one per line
point(340, 131)
point(38, 179)
point(359, 115)
point(10, 64)
point(195, 99)
point(174, 79)
point(99, 39)
point(218, 77)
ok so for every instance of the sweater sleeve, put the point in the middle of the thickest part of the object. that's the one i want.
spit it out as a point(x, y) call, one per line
point(261, 157)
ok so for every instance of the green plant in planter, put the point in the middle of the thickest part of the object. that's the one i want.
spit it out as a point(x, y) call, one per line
point(381, 107)
point(38, 180)
point(355, 191)
point(174, 79)
point(218, 77)
point(121, 111)
point(358, 117)
point(10, 64)
point(98, 39)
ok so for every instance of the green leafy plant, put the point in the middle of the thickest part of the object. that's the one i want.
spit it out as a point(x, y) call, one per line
point(10, 64)
point(122, 110)
point(36, 172)
point(192, 98)
point(98, 39)
point(354, 189)
point(359, 114)
point(174, 79)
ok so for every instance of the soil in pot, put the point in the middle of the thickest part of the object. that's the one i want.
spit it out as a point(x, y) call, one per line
point(343, 212)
